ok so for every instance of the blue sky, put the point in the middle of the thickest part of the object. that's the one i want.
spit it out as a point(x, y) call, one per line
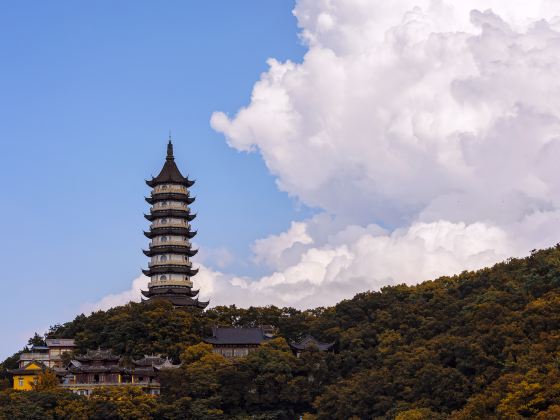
point(88, 94)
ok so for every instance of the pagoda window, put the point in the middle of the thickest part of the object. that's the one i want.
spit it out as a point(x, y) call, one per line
point(164, 277)
point(163, 258)
point(163, 239)
point(164, 187)
point(163, 221)
point(20, 382)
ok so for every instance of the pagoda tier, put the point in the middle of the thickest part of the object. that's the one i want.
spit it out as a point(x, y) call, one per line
point(159, 179)
point(177, 214)
point(169, 290)
point(179, 300)
point(156, 197)
point(179, 231)
point(170, 270)
point(170, 249)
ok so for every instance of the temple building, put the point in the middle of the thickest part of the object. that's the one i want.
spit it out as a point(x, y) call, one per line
point(170, 269)
point(32, 363)
point(57, 347)
point(233, 342)
point(25, 378)
point(101, 368)
point(309, 342)
point(49, 355)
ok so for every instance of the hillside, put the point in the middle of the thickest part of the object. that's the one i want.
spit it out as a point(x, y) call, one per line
point(480, 344)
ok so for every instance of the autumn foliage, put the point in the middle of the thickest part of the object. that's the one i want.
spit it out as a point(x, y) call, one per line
point(479, 345)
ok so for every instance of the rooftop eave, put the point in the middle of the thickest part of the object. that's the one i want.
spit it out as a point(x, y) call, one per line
point(170, 231)
point(177, 214)
point(172, 269)
point(170, 249)
point(154, 182)
point(184, 198)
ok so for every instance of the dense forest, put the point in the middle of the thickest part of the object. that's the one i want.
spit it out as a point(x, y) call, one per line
point(479, 345)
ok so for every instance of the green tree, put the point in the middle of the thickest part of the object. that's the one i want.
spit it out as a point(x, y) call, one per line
point(36, 340)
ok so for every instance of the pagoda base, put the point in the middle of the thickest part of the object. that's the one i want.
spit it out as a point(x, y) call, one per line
point(176, 299)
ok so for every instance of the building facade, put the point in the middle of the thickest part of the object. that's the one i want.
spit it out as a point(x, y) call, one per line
point(49, 355)
point(170, 269)
point(26, 377)
point(57, 347)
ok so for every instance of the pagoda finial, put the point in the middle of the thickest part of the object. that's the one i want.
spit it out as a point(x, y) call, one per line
point(170, 148)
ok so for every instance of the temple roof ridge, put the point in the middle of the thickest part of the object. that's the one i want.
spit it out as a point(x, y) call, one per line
point(308, 341)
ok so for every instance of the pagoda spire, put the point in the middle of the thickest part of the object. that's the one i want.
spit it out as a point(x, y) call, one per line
point(170, 149)
point(170, 269)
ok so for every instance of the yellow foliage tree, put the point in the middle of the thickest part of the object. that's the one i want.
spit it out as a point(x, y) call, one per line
point(126, 401)
point(47, 380)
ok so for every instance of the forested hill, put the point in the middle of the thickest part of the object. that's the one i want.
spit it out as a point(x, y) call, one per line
point(482, 344)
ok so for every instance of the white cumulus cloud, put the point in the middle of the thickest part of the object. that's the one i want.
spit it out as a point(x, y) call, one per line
point(409, 106)
point(438, 120)
point(131, 295)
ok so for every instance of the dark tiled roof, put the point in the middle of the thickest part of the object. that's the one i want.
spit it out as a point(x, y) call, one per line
point(180, 214)
point(175, 299)
point(167, 249)
point(156, 362)
point(60, 342)
point(100, 355)
point(167, 269)
point(226, 335)
point(149, 360)
point(170, 230)
point(29, 371)
point(95, 369)
point(39, 349)
point(167, 196)
point(170, 173)
point(310, 341)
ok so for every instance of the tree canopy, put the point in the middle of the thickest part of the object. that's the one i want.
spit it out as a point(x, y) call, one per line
point(479, 345)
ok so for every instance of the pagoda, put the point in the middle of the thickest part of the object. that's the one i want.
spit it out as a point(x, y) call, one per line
point(170, 269)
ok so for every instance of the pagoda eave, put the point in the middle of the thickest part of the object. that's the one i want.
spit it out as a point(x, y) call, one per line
point(154, 182)
point(170, 231)
point(170, 290)
point(170, 269)
point(170, 197)
point(170, 249)
point(177, 214)
point(179, 296)
point(178, 301)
